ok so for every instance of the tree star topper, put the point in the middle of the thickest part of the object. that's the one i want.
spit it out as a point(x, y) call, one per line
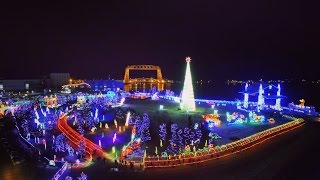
point(188, 59)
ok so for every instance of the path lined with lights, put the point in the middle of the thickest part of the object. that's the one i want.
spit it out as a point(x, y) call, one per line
point(74, 137)
point(211, 153)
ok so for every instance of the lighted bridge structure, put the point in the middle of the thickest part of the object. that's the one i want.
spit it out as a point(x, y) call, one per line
point(149, 80)
point(74, 137)
point(159, 78)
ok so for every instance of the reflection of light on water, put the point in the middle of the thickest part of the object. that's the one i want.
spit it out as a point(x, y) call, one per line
point(146, 86)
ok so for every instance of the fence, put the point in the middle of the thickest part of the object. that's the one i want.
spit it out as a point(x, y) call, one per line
point(209, 153)
point(60, 171)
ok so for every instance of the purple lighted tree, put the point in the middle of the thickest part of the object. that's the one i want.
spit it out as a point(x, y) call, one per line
point(188, 138)
point(24, 111)
point(162, 131)
point(198, 134)
point(48, 122)
point(69, 149)
point(25, 127)
point(82, 148)
point(83, 176)
point(61, 99)
point(60, 142)
point(90, 123)
point(175, 141)
point(145, 134)
point(180, 140)
point(85, 116)
point(138, 125)
point(120, 114)
point(80, 130)
point(10, 102)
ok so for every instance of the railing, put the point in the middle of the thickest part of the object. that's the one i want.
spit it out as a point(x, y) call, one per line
point(75, 137)
point(73, 140)
point(31, 145)
point(210, 153)
point(60, 171)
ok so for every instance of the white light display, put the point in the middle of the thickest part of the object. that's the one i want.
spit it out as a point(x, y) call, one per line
point(260, 96)
point(246, 97)
point(127, 119)
point(188, 102)
point(278, 100)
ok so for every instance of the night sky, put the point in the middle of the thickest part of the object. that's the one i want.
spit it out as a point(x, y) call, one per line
point(267, 39)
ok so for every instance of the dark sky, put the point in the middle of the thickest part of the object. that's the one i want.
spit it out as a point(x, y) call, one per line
point(226, 39)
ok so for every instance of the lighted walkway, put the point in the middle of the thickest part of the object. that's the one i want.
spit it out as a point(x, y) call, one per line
point(91, 148)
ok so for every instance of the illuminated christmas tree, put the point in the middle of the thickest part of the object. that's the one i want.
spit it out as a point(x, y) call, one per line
point(187, 101)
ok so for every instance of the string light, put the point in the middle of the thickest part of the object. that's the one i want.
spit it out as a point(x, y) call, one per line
point(234, 147)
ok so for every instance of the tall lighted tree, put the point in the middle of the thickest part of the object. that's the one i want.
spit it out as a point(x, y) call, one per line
point(145, 134)
point(82, 148)
point(187, 101)
point(162, 131)
point(175, 141)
